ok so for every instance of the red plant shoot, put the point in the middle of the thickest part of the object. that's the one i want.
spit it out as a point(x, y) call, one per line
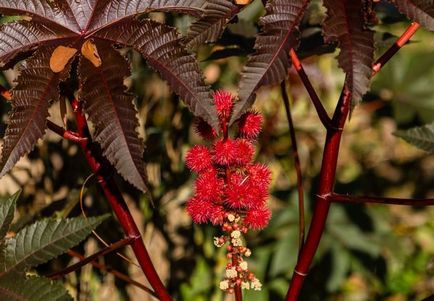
point(230, 191)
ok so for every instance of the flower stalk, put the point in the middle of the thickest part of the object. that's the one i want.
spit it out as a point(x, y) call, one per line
point(231, 191)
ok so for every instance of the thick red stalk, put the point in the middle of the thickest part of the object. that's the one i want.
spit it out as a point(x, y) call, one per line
point(102, 168)
point(329, 163)
point(322, 205)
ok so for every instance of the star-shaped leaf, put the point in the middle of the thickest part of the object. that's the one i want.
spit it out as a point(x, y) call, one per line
point(63, 30)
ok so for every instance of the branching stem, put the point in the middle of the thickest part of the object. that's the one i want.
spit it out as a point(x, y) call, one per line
point(115, 273)
point(322, 113)
point(402, 40)
point(113, 247)
point(328, 169)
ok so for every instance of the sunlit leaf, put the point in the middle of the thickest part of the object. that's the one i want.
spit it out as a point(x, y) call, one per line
point(60, 58)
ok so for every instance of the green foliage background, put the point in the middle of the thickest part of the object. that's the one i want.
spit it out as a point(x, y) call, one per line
point(369, 252)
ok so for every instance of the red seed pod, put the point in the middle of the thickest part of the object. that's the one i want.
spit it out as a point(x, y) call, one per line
point(198, 158)
point(249, 125)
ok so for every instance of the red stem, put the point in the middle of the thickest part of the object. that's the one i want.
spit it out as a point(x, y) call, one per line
point(340, 198)
point(116, 273)
point(113, 247)
point(322, 205)
point(101, 167)
point(402, 40)
point(297, 164)
point(328, 169)
point(322, 114)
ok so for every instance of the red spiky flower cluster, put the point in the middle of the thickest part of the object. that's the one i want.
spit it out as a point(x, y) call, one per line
point(230, 191)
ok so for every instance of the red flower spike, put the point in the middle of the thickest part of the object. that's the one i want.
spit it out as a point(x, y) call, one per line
point(225, 152)
point(257, 218)
point(231, 191)
point(244, 151)
point(198, 158)
point(209, 187)
point(249, 125)
point(199, 210)
point(205, 130)
point(224, 104)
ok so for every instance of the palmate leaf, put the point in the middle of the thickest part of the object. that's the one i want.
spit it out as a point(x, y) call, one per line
point(422, 137)
point(113, 113)
point(37, 85)
point(15, 287)
point(159, 45)
point(7, 209)
point(45, 240)
point(74, 23)
point(212, 24)
point(345, 24)
point(269, 65)
point(422, 11)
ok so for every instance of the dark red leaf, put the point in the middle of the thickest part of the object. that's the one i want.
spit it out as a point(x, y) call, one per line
point(269, 65)
point(212, 24)
point(37, 85)
point(160, 45)
point(421, 11)
point(345, 24)
point(110, 12)
point(113, 114)
point(42, 11)
point(22, 36)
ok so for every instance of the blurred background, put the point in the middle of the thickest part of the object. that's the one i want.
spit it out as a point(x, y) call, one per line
point(369, 252)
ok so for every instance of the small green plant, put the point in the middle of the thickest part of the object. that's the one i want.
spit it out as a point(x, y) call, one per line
point(33, 245)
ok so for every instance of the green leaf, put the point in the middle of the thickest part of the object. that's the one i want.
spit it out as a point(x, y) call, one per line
point(44, 240)
point(7, 209)
point(14, 287)
point(422, 137)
